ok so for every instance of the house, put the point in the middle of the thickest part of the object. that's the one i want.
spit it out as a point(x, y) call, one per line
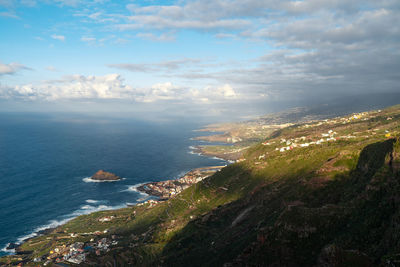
point(106, 219)
point(76, 246)
point(77, 259)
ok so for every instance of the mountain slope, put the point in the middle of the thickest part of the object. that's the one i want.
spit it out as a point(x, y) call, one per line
point(323, 193)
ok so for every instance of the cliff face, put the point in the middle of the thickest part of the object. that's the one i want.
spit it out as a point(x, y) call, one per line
point(105, 176)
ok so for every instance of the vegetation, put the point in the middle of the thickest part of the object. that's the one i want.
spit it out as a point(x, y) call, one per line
point(332, 203)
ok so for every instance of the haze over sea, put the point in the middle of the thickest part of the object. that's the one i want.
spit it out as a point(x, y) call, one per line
point(45, 158)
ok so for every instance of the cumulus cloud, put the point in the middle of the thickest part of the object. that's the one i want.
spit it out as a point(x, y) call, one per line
point(226, 91)
point(113, 86)
point(110, 86)
point(161, 91)
point(212, 94)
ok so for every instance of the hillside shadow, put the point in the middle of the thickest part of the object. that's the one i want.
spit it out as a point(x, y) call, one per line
point(213, 238)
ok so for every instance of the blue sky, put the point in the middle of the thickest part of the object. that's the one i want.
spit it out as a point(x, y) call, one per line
point(205, 56)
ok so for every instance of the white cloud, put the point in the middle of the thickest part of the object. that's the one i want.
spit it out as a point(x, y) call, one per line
point(313, 47)
point(226, 91)
point(29, 3)
point(152, 37)
point(9, 14)
point(157, 67)
point(212, 94)
point(112, 87)
point(11, 68)
point(225, 35)
point(58, 37)
point(161, 91)
point(88, 39)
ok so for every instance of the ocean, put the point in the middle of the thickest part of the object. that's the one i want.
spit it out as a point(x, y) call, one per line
point(44, 160)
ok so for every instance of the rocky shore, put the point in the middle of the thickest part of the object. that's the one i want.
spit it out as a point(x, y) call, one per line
point(169, 188)
point(16, 246)
point(105, 176)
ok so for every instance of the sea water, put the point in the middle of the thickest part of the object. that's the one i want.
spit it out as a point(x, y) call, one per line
point(46, 162)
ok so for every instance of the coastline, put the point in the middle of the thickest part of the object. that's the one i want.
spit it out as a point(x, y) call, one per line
point(162, 190)
point(171, 185)
point(228, 157)
point(52, 225)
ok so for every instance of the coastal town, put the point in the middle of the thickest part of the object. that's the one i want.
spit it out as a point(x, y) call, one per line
point(240, 136)
point(330, 135)
point(76, 252)
point(169, 188)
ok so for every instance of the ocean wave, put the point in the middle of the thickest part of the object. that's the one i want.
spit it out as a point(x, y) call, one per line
point(92, 201)
point(179, 175)
point(90, 180)
point(134, 188)
point(37, 230)
point(7, 251)
point(195, 153)
point(217, 158)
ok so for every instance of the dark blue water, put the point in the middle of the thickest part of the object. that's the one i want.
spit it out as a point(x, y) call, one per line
point(44, 160)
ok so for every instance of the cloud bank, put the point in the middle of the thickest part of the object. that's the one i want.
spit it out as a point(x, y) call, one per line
point(305, 50)
point(113, 87)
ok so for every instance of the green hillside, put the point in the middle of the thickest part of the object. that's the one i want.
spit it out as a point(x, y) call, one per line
point(324, 193)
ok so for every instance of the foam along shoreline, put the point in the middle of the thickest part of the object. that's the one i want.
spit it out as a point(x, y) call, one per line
point(197, 151)
point(90, 180)
point(92, 201)
point(88, 209)
point(53, 224)
point(84, 210)
point(143, 196)
point(141, 188)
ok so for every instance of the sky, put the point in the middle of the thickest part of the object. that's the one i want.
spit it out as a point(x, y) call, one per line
point(184, 57)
